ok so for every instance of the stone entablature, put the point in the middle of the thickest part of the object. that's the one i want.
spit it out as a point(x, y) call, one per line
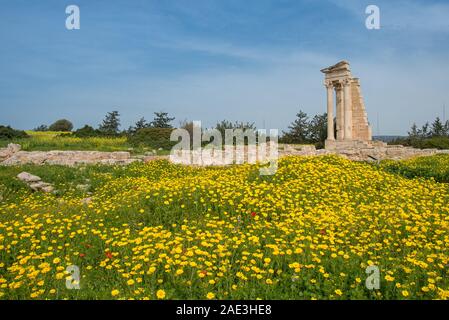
point(351, 117)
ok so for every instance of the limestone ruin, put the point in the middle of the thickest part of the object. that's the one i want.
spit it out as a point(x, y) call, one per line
point(13, 155)
point(351, 118)
point(352, 135)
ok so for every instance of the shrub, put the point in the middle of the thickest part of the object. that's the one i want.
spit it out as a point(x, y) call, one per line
point(86, 131)
point(61, 125)
point(8, 133)
point(41, 128)
point(152, 137)
point(423, 143)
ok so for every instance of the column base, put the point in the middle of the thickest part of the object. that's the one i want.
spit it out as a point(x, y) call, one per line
point(330, 144)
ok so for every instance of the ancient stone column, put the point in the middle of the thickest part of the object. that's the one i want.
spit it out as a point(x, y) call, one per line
point(347, 101)
point(330, 111)
point(340, 113)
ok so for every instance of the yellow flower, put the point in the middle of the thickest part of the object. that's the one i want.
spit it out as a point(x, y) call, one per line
point(179, 272)
point(115, 292)
point(389, 278)
point(405, 293)
point(130, 282)
point(56, 260)
point(269, 281)
point(338, 292)
point(160, 294)
point(210, 296)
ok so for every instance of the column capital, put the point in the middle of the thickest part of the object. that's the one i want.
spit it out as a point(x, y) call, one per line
point(328, 84)
point(346, 82)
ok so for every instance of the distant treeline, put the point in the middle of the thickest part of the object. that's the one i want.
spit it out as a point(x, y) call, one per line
point(156, 133)
point(433, 135)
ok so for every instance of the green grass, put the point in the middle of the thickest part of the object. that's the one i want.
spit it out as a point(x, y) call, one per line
point(433, 167)
point(47, 141)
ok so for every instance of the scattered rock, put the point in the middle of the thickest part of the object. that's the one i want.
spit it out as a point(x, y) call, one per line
point(42, 186)
point(28, 177)
point(83, 187)
point(86, 200)
point(35, 182)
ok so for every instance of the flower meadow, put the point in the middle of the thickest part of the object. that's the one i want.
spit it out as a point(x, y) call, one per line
point(165, 231)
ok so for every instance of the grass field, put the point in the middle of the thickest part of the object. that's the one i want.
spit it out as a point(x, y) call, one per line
point(46, 141)
point(436, 167)
point(162, 231)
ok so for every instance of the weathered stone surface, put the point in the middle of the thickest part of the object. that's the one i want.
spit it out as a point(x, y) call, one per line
point(351, 116)
point(66, 158)
point(41, 186)
point(7, 152)
point(28, 177)
point(35, 182)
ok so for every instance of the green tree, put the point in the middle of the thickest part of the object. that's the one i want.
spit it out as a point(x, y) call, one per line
point(161, 120)
point(140, 124)
point(425, 132)
point(298, 131)
point(41, 128)
point(110, 124)
point(86, 131)
point(317, 132)
point(437, 128)
point(414, 132)
point(61, 125)
point(223, 125)
point(446, 129)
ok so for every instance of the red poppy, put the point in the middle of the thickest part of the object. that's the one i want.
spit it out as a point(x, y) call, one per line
point(253, 214)
point(323, 231)
point(109, 255)
point(82, 255)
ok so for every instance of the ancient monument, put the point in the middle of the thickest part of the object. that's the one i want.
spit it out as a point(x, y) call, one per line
point(352, 126)
point(351, 136)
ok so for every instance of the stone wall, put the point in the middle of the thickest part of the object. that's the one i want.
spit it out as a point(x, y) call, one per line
point(12, 155)
point(353, 150)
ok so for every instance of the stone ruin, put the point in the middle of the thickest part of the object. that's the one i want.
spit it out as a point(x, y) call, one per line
point(351, 118)
point(352, 135)
point(12, 155)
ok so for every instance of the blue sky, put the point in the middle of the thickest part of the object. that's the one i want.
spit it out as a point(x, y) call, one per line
point(208, 60)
